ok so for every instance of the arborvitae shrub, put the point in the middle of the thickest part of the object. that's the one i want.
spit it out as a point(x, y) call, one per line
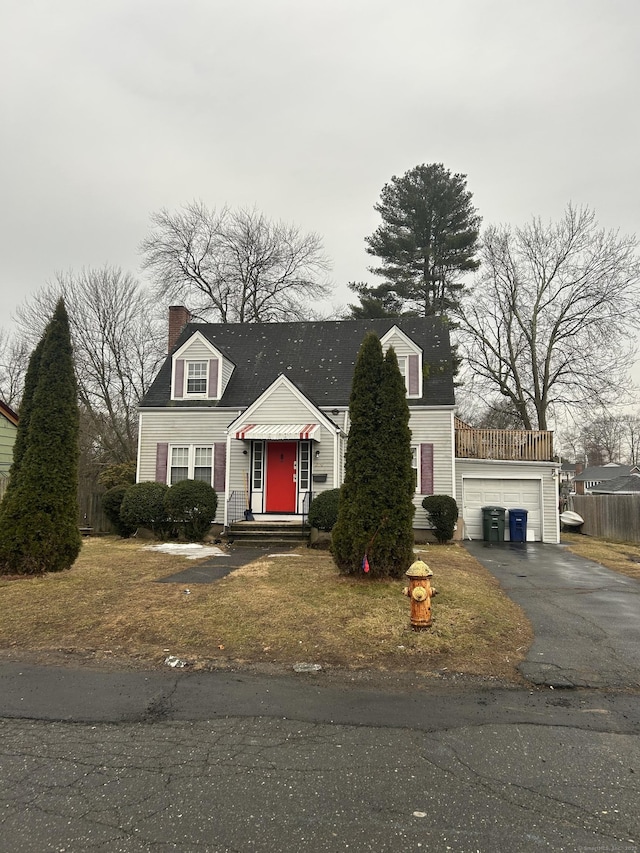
point(443, 514)
point(323, 512)
point(191, 505)
point(39, 520)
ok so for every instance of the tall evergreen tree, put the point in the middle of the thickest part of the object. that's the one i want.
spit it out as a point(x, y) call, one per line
point(393, 552)
point(374, 516)
point(359, 511)
point(39, 527)
point(428, 237)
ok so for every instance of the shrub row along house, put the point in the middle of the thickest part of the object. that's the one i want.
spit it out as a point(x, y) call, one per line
point(261, 411)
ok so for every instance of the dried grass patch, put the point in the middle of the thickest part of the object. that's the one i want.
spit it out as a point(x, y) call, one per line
point(278, 610)
point(620, 556)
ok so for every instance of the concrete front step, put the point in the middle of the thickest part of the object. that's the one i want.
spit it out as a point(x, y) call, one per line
point(263, 534)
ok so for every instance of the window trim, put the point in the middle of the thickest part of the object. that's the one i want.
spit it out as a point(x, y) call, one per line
point(188, 362)
point(191, 459)
point(415, 457)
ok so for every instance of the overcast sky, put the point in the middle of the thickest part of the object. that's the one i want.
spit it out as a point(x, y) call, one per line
point(113, 109)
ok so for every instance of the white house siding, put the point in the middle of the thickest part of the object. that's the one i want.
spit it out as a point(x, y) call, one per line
point(400, 345)
point(180, 426)
point(196, 350)
point(434, 426)
point(530, 485)
point(227, 370)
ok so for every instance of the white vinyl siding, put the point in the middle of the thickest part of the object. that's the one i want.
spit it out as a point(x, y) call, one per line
point(196, 350)
point(181, 428)
point(404, 348)
point(433, 426)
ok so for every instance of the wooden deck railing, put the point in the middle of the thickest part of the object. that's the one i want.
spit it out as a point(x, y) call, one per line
point(517, 445)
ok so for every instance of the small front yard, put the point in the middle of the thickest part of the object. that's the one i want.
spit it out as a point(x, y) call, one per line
point(276, 611)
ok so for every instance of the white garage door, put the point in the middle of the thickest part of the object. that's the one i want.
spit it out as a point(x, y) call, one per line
point(511, 494)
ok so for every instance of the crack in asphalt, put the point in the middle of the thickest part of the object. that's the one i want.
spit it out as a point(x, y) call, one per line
point(169, 786)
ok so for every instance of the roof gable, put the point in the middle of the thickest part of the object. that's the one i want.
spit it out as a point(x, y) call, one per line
point(8, 413)
point(318, 357)
point(284, 388)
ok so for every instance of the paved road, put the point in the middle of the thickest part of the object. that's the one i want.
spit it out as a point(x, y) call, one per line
point(229, 762)
point(586, 619)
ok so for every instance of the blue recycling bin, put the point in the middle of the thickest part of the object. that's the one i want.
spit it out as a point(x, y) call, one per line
point(518, 525)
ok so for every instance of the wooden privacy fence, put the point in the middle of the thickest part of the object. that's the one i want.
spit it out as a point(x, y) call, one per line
point(609, 516)
point(90, 512)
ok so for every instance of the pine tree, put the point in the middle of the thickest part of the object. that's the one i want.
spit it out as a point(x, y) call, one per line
point(39, 528)
point(375, 511)
point(428, 237)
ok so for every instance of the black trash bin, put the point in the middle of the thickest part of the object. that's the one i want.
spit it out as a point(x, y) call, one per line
point(518, 525)
point(493, 523)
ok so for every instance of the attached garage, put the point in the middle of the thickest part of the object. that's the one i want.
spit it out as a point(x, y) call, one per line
point(532, 487)
point(510, 494)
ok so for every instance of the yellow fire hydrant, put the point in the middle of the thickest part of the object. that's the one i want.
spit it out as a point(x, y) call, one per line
point(420, 593)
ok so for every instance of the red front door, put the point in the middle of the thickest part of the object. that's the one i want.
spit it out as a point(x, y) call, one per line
point(281, 476)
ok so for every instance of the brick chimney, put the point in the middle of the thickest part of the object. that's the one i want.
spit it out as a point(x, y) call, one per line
point(179, 316)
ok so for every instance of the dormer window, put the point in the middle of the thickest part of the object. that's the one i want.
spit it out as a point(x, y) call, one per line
point(402, 365)
point(196, 377)
point(409, 357)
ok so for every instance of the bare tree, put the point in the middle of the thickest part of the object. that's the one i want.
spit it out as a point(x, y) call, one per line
point(631, 438)
point(235, 266)
point(550, 319)
point(118, 345)
point(609, 437)
point(14, 356)
point(602, 438)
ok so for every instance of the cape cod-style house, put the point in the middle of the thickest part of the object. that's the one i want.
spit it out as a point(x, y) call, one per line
point(261, 411)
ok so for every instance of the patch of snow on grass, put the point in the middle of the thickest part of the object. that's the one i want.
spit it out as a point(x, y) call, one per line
point(190, 550)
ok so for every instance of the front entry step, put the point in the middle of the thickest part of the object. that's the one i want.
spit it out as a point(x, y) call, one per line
point(282, 534)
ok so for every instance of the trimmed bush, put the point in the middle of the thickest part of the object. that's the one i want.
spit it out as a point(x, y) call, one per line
point(191, 505)
point(111, 503)
point(120, 474)
point(443, 514)
point(323, 512)
point(143, 506)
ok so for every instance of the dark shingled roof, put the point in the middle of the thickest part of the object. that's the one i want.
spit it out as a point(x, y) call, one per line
point(318, 357)
point(619, 485)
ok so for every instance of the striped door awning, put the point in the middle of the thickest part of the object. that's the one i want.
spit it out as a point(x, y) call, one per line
point(279, 432)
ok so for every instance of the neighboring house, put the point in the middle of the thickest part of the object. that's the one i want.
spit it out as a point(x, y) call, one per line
point(8, 430)
point(628, 484)
point(585, 482)
point(261, 411)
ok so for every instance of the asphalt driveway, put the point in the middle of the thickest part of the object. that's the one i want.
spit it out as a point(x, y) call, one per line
point(586, 618)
